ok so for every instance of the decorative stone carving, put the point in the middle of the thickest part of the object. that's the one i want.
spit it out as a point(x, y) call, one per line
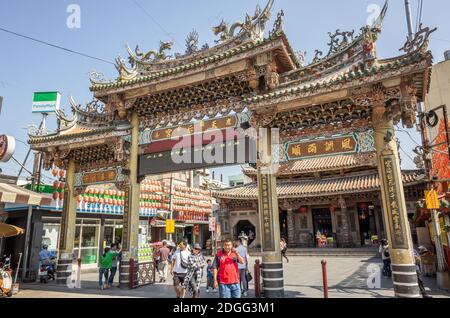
point(408, 104)
point(378, 103)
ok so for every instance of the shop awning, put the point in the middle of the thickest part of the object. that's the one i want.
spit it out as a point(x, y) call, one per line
point(7, 230)
point(14, 194)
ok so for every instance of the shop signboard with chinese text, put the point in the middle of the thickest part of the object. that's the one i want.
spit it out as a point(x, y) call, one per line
point(170, 226)
point(431, 200)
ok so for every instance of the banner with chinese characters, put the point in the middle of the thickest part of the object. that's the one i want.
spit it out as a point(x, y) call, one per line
point(358, 142)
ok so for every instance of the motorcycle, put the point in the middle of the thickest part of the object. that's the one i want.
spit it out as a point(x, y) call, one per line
point(6, 281)
point(46, 272)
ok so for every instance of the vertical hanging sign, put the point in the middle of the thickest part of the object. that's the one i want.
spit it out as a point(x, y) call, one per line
point(394, 206)
point(126, 219)
point(265, 206)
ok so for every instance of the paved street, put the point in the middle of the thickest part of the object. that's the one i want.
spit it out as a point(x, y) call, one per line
point(303, 279)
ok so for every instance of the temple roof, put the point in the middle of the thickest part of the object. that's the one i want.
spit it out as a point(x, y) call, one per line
point(322, 164)
point(358, 183)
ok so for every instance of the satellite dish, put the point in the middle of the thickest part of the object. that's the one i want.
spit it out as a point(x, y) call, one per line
point(7, 147)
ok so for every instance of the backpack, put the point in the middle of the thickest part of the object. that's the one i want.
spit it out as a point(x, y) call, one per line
point(386, 253)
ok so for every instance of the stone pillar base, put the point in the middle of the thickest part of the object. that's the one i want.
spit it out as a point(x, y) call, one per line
point(124, 278)
point(405, 281)
point(273, 281)
point(64, 268)
point(443, 280)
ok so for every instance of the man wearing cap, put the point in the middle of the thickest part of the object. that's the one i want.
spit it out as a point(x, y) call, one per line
point(196, 263)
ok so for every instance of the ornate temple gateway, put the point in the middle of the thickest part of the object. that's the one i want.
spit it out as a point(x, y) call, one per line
point(335, 118)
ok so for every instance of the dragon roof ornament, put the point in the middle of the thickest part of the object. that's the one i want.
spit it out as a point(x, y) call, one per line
point(252, 28)
point(342, 40)
point(420, 41)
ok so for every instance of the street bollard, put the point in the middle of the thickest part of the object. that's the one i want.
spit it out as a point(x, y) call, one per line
point(79, 274)
point(257, 278)
point(325, 279)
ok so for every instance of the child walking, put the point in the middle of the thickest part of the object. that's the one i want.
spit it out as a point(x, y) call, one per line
point(210, 277)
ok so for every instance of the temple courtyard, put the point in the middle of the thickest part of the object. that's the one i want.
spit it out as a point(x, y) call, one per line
point(347, 278)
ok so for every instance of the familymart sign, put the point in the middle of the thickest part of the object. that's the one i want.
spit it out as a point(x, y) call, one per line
point(46, 102)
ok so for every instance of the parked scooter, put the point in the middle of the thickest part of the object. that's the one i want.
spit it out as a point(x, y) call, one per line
point(6, 277)
point(46, 272)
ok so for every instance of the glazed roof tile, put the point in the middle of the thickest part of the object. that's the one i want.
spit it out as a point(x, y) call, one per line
point(312, 188)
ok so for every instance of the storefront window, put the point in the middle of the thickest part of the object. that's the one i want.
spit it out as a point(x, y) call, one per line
point(50, 236)
point(90, 236)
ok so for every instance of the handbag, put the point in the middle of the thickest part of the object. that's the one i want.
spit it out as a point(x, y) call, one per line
point(249, 277)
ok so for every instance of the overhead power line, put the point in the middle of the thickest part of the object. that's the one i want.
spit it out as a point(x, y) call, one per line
point(54, 46)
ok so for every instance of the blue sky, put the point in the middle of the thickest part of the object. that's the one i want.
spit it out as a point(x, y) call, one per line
point(106, 25)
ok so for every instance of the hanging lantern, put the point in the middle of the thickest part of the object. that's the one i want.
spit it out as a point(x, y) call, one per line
point(332, 208)
point(61, 173)
point(61, 195)
point(55, 195)
point(79, 198)
point(304, 209)
point(55, 184)
point(54, 172)
point(61, 185)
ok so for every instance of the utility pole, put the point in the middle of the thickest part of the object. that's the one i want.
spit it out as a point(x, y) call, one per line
point(170, 236)
point(409, 19)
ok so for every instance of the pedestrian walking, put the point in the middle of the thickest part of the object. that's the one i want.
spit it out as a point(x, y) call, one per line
point(105, 267)
point(283, 248)
point(243, 268)
point(209, 277)
point(386, 257)
point(115, 248)
point(418, 260)
point(180, 266)
point(226, 272)
point(196, 264)
point(163, 266)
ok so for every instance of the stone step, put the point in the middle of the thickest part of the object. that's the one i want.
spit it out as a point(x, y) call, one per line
point(331, 252)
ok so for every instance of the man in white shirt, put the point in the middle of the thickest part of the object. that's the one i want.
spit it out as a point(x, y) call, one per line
point(180, 265)
point(243, 268)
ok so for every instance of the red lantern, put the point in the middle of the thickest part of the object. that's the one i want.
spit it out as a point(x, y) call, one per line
point(54, 172)
point(304, 209)
point(61, 173)
point(55, 195)
point(61, 195)
point(79, 198)
point(55, 184)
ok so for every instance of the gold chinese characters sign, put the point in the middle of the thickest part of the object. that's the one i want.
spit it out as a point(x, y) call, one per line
point(193, 128)
point(266, 210)
point(395, 206)
point(101, 176)
point(325, 147)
